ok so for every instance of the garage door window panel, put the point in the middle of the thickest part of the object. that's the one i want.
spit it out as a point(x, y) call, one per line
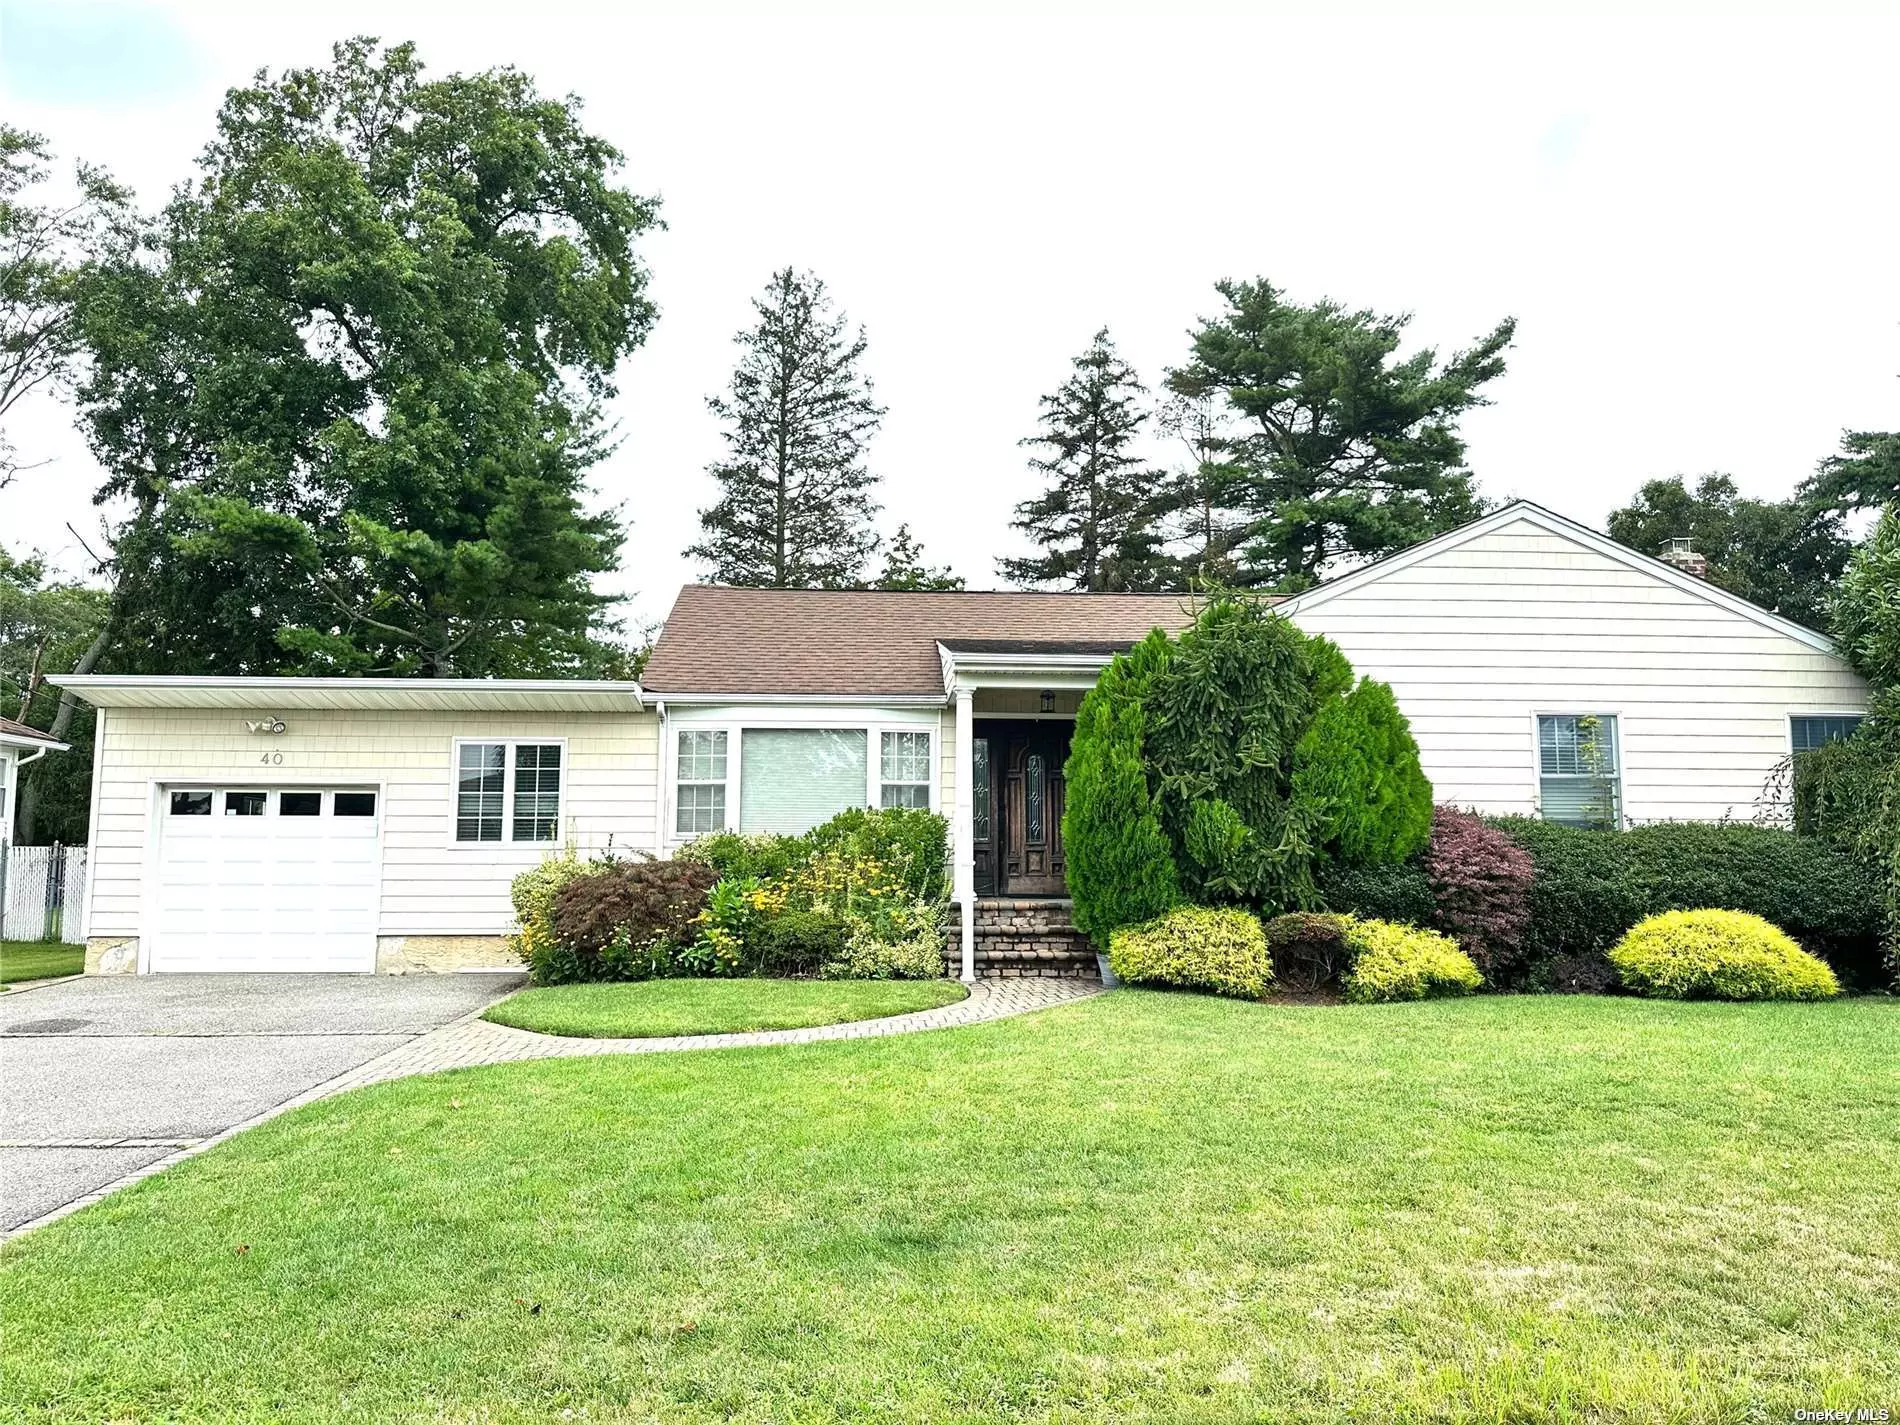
point(245, 803)
point(356, 804)
point(300, 803)
point(191, 803)
point(509, 791)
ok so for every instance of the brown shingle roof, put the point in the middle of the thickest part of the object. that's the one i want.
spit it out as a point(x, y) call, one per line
point(848, 642)
point(11, 728)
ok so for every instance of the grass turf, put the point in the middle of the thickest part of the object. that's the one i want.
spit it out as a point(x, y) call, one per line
point(659, 1008)
point(38, 960)
point(1143, 1207)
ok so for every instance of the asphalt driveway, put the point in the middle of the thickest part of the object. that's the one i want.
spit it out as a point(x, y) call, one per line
point(104, 1075)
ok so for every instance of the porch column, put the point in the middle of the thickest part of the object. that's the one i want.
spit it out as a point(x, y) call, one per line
point(963, 874)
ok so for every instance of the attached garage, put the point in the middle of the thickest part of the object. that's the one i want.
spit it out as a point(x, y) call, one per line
point(347, 825)
point(267, 878)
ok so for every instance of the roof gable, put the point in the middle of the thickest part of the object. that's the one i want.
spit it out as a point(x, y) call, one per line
point(1523, 511)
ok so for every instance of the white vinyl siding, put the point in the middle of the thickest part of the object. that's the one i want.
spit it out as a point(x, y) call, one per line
point(1479, 637)
point(431, 883)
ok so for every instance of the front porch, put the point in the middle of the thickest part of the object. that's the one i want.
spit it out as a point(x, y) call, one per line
point(1015, 714)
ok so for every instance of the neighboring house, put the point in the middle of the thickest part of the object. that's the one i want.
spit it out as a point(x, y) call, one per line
point(19, 745)
point(358, 824)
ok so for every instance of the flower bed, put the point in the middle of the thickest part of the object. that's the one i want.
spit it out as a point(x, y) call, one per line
point(860, 897)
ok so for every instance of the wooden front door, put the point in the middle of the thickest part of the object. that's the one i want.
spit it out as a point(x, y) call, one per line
point(1019, 796)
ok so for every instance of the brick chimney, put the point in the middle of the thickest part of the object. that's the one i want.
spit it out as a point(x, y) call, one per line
point(1681, 555)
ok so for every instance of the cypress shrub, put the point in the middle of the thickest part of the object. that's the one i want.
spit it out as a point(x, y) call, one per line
point(1120, 867)
point(1357, 767)
point(1198, 948)
point(1718, 954)
point(1401, 962)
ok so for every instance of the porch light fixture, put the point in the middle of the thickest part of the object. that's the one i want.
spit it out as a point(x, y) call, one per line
point(1048, 700)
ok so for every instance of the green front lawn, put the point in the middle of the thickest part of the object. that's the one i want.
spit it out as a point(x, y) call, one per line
point(38, 960)
point(1145, 1207)
point(660, 1008)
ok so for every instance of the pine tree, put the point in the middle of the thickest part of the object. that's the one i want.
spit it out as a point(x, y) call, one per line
point(904, 567)
point(1201, 526)
point(1096, 521)
point(1342, 448)
point(795, 509)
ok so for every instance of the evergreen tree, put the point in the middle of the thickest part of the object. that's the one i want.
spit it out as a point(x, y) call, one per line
point(1096, 521)
point(795, 506)
point(1341, 450)
point(904, 566)
point(1785, 555)
point(1120, 867)
point(1864, 476)
point(1202, 527)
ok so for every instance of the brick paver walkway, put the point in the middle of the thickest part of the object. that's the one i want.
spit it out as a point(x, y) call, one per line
point(474, 1041)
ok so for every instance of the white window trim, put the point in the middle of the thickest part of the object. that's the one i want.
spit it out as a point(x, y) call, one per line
point(1793, 713)
point(510, 741)
point(875, 744)
point(735, 722)
point(674, 836)
point(1622, 758)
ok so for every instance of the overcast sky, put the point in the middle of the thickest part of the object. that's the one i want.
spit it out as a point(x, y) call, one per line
point(1693, 215)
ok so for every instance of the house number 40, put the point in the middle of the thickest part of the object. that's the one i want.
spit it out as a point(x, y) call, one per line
point(272, 759)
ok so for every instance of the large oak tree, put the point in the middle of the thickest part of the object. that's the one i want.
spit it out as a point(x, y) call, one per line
point(350, 385)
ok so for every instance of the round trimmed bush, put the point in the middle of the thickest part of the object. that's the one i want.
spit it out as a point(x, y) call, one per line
point(1309, 949)
point(1195, 947)
point(1718, 954)
point(1400, 962)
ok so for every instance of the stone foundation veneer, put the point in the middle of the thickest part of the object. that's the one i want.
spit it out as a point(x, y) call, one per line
point(112, 955)
point(440, 954)
point(1023, 938)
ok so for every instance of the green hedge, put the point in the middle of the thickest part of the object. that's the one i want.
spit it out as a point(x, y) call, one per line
point(1589, 887)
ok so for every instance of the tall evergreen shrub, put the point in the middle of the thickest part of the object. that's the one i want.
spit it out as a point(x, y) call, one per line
point(1120, 867)
point(1224, 719)
point(1357, 768)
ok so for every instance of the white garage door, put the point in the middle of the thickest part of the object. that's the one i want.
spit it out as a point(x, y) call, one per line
point(275, 878)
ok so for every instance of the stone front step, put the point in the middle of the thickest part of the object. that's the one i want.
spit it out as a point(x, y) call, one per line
point(1023, 938)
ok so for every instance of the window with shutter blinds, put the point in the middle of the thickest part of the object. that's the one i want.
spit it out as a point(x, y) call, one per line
point(794, 778)
point(1579, 769)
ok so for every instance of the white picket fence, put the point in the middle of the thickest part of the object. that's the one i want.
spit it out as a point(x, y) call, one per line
point(43, 893)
